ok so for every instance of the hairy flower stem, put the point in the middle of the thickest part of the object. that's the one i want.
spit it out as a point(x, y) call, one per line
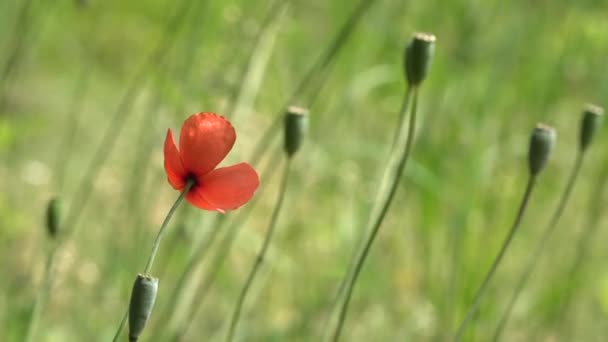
point(42, 296)
point(261, 254)
point(534, 258)
point(155, 246)
point(484, 285)
point(388, 189)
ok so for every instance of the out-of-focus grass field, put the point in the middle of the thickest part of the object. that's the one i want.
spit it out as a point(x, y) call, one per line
point(499, 67)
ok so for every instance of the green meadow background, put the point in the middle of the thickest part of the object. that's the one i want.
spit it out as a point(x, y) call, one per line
point(88, 89)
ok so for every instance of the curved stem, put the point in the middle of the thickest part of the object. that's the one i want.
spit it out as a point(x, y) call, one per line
point(473, 308)
point(261, 254)
point(115, 126)
point(314, 80)
point(155, 246)
point(375, 208)
point(225, 245)
point(534, 258)
point(582, 246)
point(200, 252)
point(161, 231)
point(398, 162)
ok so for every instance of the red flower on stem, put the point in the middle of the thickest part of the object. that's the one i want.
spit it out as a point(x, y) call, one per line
point(205, 140)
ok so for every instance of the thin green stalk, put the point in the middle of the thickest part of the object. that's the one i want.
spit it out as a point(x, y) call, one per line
point(65, 146)
point(583, 245)
point(252, 71)
point(540, 247)
point(199, 255)
point(314, 79)
point(473, 308)
point(155, 246)
point(42, 296)
point(447, 303)
point(222, 251)
point(261, 254)
point(161, 231)
point(396, 165)
point(16, 47)
point(376, 206)
point(237, 99)
point(116, 126)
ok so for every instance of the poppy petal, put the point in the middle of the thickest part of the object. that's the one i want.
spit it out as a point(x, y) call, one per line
point(194, 197)
point(173, 163)
point(229, 187)
point(204, 142)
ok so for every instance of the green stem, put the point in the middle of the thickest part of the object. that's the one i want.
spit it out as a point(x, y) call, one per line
point(376, 207)
point(582, 247)
point(116, 125)
point(540, 247)
point(261, 254)
point(313, 81)
point(397, 164)
point(155, 246)
point(17, 46)
point(42, 296)
point(223, 249)
point(473, 308)
point(199, 255)
point(159, 236)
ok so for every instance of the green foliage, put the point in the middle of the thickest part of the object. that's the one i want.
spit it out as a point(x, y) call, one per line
point(499, 67)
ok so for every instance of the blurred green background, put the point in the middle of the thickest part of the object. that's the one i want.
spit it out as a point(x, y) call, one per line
point(85, 80)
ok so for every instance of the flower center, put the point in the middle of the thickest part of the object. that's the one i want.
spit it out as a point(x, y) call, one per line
point(191, 178)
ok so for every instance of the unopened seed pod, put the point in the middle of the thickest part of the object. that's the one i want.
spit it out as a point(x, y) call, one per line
point(143, 297)
point(296, 125)
point(418, 55)
point(54, 210)
point(541, 143)
point(592, 117)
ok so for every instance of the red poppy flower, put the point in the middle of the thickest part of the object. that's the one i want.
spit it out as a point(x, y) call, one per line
point(204, 141)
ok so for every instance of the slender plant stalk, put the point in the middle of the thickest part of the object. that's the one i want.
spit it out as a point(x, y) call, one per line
point(447, 303)
point(67, 142)
point(222, 251)
point(484, 285)
point(583, 245)
point(261, 254)
point(16, 48)
point(375, 208)
point(199, 255)
point(116, 125)
point(42, 296)
point(540, 247)
point(395, 169)
point(252, 71)
point(63, 154)
point(314, 79)
point(161, 231)
point(155, 246)
point(241, 97)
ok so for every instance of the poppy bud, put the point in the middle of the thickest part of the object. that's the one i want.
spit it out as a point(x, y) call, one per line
point(592, 116)
point(541, 143)
point(296, 124)
point(142, 302)
point(418, 55)
point(54, 211)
